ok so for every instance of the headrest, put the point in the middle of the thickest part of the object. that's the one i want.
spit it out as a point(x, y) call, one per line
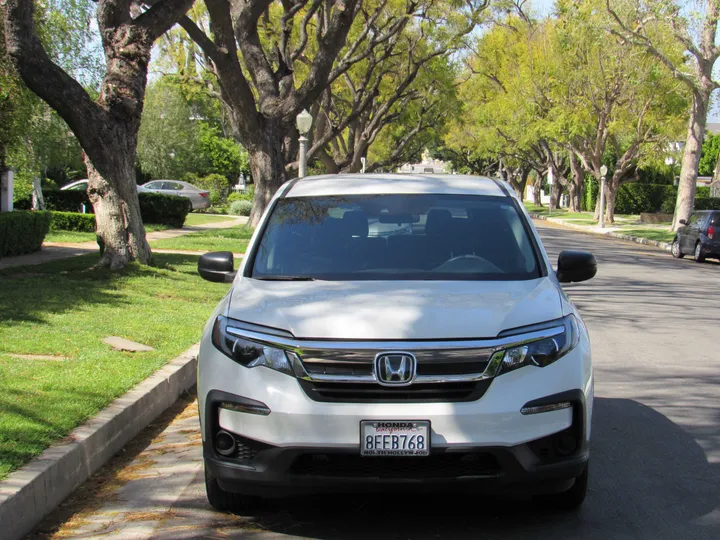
point(355, 223)
point(439, 222)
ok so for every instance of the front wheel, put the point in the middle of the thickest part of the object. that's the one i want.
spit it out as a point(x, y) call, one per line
point(675, 250)
point(572, 498)
point(226, 501)
point(699, 256)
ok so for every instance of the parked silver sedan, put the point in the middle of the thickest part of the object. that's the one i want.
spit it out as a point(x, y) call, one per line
point(199, 198)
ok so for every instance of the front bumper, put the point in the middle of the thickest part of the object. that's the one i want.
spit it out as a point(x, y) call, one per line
point(309, 446)
point(283, 471)
point(549, 464)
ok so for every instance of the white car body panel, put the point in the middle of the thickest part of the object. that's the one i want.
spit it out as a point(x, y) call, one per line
point(395, 310)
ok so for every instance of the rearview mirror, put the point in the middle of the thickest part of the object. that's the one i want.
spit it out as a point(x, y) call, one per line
point(574, 266)
point(683, 222)
point(217, 266)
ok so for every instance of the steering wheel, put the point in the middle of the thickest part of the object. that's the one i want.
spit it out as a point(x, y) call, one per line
point(455, 264)
point(465, 257)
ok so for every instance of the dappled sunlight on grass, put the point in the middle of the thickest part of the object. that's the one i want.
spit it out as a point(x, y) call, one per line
point(66, 308)
point(233, 239)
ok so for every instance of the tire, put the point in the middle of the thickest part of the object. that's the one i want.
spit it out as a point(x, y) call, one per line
point(675, 250)
point(571, 499)
point(698, 255)
point(226, 501)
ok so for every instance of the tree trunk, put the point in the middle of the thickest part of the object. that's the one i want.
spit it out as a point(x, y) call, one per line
point(38, 202)
point(119, 226)
point(691, 157)
point(267, 165)
point(611, 191)
point(577, 183)
point(573, 203)
point(555, 195)
point(537, 199)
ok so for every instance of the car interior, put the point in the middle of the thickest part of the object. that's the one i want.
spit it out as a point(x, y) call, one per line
point(487, 238)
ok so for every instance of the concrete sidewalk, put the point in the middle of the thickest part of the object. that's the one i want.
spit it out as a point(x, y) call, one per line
point(53, 251)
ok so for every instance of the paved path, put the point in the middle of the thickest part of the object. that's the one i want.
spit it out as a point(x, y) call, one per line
point(655, 472)
point(52, 251)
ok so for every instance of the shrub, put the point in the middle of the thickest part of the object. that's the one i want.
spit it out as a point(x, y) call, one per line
point(241, 208)
point(164, 209)
point(22, 232)
point(61, 201)
point(216, 184)
point(72, 221)
point(154, 207)
point(635, 198)
point(707, 203)
point(591, 194)
point(247, 196)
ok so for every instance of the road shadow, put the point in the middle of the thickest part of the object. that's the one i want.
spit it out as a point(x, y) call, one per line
point(648, 479)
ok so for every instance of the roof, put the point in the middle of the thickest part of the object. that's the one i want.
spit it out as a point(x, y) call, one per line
point(377, 184)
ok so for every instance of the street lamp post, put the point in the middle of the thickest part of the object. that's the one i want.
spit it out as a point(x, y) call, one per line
point(304, 123)
point(603, 172)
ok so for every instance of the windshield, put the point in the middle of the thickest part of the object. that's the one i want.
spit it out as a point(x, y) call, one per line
point(396, 237)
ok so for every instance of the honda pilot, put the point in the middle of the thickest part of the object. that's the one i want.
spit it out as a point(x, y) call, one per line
point(391, 332)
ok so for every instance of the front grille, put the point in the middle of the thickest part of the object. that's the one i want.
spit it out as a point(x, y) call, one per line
point(350, 369)
point(370, 393)
point(437, 363)
point(445, 465)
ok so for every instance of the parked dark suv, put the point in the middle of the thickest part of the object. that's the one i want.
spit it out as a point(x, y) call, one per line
point(700, 235)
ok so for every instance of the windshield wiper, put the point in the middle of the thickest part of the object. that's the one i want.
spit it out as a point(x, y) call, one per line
point(284, 278)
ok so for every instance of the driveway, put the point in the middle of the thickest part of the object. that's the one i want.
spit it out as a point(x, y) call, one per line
point(655, 469)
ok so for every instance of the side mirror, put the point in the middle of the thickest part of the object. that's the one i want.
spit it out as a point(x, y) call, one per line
point(574, 266)
point(683, 222)
point(217, 266)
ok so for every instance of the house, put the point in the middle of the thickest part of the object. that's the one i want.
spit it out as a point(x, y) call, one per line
point(427, 165)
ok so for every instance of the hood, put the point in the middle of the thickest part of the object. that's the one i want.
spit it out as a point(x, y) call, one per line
point(395, 310)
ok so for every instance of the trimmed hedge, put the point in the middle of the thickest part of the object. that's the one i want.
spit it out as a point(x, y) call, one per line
point(637, 198)
point(61, 201)
point(165, 209)
point(72, 221)
point(22, 232)
point(154, 207)
point(707, 203)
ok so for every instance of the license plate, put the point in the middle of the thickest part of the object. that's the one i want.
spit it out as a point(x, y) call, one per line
point(395, 438)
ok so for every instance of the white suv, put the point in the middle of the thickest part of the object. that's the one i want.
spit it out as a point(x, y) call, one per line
point(393, 332)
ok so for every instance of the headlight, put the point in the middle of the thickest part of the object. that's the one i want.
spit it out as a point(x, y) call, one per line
point(248, 353)
point(542, 352)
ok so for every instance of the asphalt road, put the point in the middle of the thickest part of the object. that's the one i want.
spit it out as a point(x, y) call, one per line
point(655, 472)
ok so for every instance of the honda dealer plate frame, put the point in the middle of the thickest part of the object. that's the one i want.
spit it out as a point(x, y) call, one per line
point(410, 438)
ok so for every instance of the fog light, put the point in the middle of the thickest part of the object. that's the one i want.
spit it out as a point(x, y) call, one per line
point(565, 443)
point(224, 443)
point(546, 408)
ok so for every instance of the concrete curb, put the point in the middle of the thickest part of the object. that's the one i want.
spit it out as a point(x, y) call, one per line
point(665, 246)
point(32, 492)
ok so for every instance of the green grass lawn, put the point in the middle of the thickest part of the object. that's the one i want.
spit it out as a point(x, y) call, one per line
point(201, 219)
point(66, 308)
point(190, 220)
point(74, 236)
point(234, 239)
point(661, 235)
